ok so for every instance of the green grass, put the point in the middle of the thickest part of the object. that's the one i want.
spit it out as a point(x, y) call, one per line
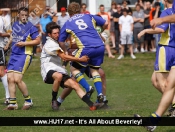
point(129, 91)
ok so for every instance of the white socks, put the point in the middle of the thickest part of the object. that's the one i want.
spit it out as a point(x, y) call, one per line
point(60, 100)
point(5, 84)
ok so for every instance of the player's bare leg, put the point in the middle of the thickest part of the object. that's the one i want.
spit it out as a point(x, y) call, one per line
point(72, 84)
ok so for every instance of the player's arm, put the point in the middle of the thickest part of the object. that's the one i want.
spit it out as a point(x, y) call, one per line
point(4, 34)
point(62, 38)
point(150, 31)
point(66, 57)
point(100, 21)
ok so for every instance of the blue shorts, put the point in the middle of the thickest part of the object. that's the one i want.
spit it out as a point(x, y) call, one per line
point(96, 56)
point(19, 63)
point(165, 59)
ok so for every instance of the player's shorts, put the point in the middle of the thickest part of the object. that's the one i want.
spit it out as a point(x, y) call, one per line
point(165, 59)
point(126, 37)
point(19, 63)
point(49, 79)
point(95, 55)
point(2, 57)
point(107, 34)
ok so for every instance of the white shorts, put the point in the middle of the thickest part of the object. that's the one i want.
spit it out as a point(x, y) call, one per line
point(126, 37)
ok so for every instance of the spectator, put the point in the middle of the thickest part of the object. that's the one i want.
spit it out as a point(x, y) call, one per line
point(112, 28)
point(162, 6)
point(156, 14)
point(140, 2)
point(138, 17)
point(105, 16)
point(125, 5)
point(147, 37)
point(126, 31)
point(116, 17)
point(35, 20)
point(83, 9)
point(63, 17)
point(46, 17)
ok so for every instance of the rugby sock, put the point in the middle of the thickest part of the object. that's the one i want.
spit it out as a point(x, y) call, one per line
point(104, 98)
point(60, 100)
point(12, 101)
point(98, 84)
point(5, 84)
point(54, 95)
point(81, 80)
point(27, 98)
point(86, 99)
point(154, 118)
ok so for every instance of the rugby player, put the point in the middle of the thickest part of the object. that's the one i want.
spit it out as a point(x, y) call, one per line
point(89, 42)
point(164, 69)
point(5, 31)
point(52, 70)
point(24, 36)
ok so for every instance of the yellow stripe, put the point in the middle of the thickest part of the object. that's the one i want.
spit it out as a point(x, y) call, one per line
point(162, 59)
point(93, 66)
point(12, 101)
point(28, 49)
point(78, 53)
point(81, 64)
point(165, 37)
point(13, 71)
point(97, 80)
point(172, 67)
point(79, 78)
point(94, 22)
point(26, 64)
point(77, 40)
point(154, 115)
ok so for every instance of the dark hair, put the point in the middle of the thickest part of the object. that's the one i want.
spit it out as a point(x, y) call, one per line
point(101, 5)
point(113, 3)
point(156, 4)
point(50, 26)
point(125, 1)
point(23, 9)
point(83, 4)
point(170, 1)
point(125, 10)
point(74, 8)
point(138, 5)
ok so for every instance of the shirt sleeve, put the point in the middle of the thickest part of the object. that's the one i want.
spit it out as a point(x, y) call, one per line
point(34, 33)
point(99, 20)
point(7, 27)
point(164, 26)
point(63, 34)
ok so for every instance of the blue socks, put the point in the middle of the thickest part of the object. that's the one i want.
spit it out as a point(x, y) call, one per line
point(98, 84)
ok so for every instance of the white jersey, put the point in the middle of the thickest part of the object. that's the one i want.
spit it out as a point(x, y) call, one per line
point(49, 58)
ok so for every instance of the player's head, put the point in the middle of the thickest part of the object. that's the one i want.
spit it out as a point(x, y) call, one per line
point(125, 12)
point(53, 30)
point(102, 8)
point(74, 8)
point(168, 2)
point(23, 14)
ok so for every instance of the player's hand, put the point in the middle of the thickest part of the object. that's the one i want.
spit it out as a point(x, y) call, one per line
point(155, 22)
point(141, 34)
point(20, 44)
point(84, 59)
point(0, 34)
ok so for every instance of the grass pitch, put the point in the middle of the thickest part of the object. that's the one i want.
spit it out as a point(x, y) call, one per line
point(129, 91)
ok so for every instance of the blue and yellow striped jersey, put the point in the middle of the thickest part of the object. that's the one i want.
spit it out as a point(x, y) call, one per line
point(167, 38)
point(82, 28)
point(21, 33)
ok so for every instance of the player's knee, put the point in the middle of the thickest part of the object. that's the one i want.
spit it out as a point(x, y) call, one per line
point(17, 80)
point(74, 85)
point(102, 74)
point(10, 79)
point(57, 76)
